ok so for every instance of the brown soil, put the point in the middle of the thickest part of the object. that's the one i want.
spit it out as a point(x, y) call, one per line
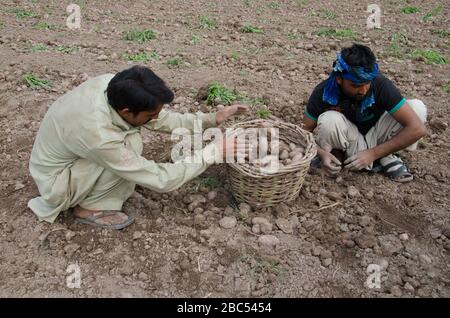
point(171, 251)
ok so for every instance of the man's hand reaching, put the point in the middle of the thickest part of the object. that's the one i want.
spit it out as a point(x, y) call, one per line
point(330, 163)
point(226, 112)
point(360, 161)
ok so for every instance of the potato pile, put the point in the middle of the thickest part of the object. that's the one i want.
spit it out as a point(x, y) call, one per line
point(263, 152)
point(287, 153)
point(290, 153)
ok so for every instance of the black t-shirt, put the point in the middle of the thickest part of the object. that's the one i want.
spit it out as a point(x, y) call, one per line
point(387, 98)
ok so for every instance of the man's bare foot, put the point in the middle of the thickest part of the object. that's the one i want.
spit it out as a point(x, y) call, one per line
point(101, 218)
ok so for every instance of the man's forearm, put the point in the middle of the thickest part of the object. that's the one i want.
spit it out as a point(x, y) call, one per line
point(309, 125)
point(320, 151)
point(406, 137)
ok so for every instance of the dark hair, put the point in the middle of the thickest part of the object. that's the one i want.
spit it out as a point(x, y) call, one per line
point(138, 89)
point(359, 55)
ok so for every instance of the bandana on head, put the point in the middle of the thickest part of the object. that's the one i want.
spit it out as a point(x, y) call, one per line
point(357, 75)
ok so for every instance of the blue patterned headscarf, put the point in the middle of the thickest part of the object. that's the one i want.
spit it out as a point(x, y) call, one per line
point(357, 75)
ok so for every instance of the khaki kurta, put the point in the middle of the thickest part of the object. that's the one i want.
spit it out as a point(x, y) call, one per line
point(86, 154)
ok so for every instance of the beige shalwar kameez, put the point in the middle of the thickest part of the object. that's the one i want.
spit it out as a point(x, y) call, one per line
point(86, 154)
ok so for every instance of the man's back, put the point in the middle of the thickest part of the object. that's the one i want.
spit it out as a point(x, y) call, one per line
point(71, 114)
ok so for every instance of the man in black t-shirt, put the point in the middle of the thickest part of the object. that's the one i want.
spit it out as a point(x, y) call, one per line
point(361, 113)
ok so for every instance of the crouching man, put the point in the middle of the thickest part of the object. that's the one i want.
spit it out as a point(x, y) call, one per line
point(359, 113)
point(87, 153)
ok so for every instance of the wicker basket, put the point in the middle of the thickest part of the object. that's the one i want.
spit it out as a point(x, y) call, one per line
point(250, 185)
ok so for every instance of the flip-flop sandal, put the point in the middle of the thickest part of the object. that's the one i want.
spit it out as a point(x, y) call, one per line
point(91, 220)
point(401, 174)
point(376, 167)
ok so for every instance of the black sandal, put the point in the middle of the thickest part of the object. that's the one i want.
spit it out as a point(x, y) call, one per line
point(401, 174)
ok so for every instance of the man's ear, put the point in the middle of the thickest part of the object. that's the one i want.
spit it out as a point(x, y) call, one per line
point(124, 111)
point(339, 80)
